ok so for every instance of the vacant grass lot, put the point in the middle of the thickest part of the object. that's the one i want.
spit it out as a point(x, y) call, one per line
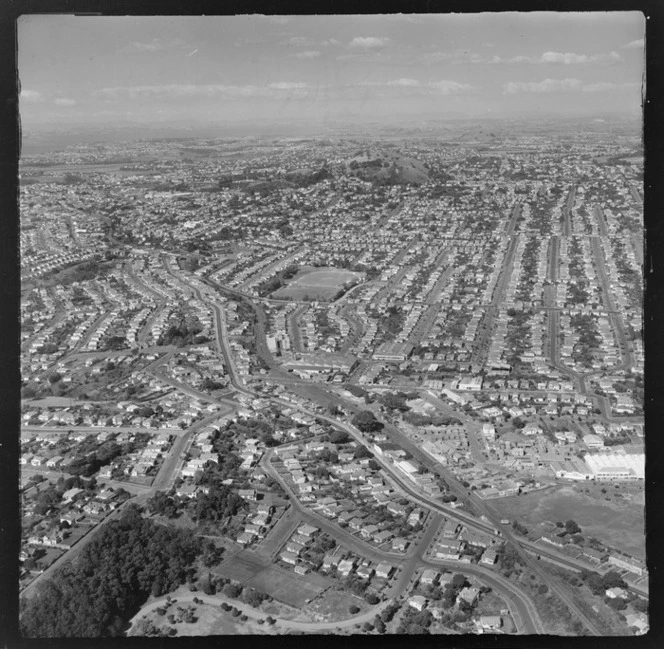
point(334, 604)
point(614, 523)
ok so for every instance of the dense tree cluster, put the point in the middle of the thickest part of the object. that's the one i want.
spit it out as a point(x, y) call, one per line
point(96, 595)
point(277, 281)
point(185, 332)
point(87, 463)
point(366, 422)
point(211, 384)
point(600, 583)
point(426, 420)
point(395, 401)
point(218, 504)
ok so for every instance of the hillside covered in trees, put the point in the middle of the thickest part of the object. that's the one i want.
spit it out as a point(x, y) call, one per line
point(98, 594)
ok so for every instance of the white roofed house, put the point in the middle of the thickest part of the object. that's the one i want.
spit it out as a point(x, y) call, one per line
point(418, 602)
point(345, 567)
point(384, 570)
point(469, 595)
point(329, 561)
point(429, 577)
point(490, 622)
point(289, 557)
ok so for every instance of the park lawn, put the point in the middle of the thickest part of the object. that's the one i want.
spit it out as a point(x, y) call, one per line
point(334, 605)
point(212, 620)
point(284, 611)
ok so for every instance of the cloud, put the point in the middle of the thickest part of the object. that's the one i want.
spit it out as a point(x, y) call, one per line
point(443, 87)
point(458, 56)
point(31, 96)
point(568, 58)
point(153, 46)
point(634, 45)
point(404, 82)
point(446, 87)
point(565, 85)
point(175, 91)
point(309, 54)
point(548, 85)
point(300, 41)
point(63, 101)
point(604, 86)
point(561, 58)
point(368, 42)
point(288, 85)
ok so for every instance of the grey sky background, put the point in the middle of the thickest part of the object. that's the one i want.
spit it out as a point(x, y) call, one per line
point(113, 70)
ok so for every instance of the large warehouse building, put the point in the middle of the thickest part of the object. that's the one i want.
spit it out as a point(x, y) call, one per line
point(616, 466)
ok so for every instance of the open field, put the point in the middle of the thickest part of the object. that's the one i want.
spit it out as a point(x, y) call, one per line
point(618, 525)
point(319, 283)
point(214, 621)
point(287, 586)
point(210, 619)
point(334, 604)
point(242, 566)
point(251, 570)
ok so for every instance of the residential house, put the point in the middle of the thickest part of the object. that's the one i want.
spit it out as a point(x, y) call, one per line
point(469, 595)
point(429, 577)
point(552, 539)
point(289, 557)
point(418, 602)
point(489, 557)
point(490, 622)
point(345, 567)
point(384, 570)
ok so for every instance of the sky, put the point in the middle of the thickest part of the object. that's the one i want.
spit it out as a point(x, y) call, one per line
point(77, 70)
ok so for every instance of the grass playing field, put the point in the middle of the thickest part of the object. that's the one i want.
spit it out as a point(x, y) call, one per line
point(316, 284)
point(284, 585)
point(288, 587)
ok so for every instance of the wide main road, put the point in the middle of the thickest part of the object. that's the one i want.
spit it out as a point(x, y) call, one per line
point(614, 316)
point(481, 344)
point(513, 220)
point(294, 327)
point(554, 252)
point(567, 212)
point(221, 332)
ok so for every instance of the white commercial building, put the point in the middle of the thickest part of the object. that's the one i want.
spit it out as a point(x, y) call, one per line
point(616, 466)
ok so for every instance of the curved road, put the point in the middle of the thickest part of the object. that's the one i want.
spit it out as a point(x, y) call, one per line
point(283, 623)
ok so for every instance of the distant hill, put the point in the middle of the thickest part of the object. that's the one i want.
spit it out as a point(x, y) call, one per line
point(384, 166)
